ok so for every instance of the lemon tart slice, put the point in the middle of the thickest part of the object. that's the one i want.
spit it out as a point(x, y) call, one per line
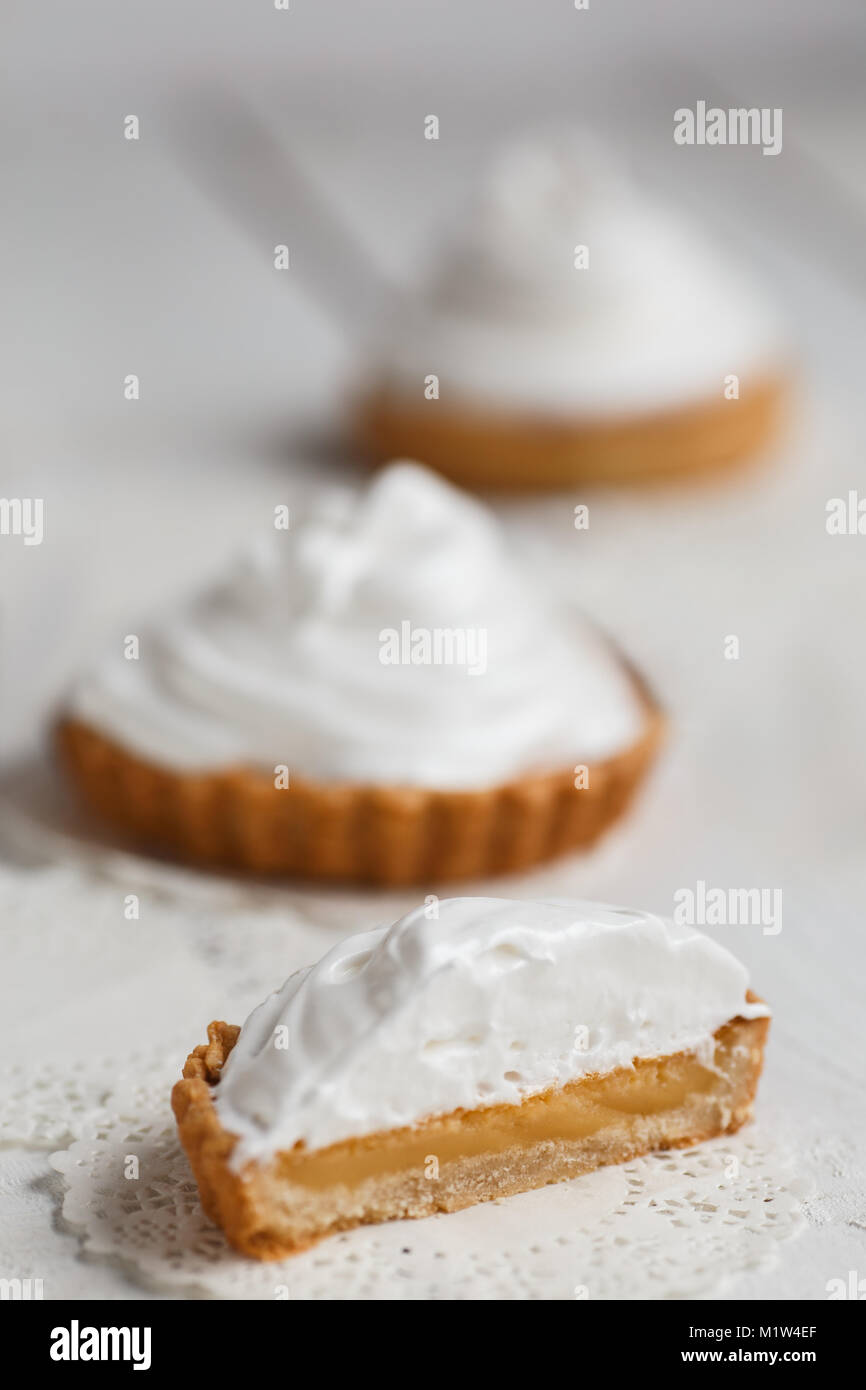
point(493, 1047)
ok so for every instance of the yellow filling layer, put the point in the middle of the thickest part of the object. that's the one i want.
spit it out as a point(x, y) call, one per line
point(579, 1110)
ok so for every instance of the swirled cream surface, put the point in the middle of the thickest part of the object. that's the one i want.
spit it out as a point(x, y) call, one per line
point(390, 638)
point(485, 1003)
point(570, 290)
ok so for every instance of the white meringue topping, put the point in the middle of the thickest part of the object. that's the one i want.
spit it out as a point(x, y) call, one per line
point(487, 1002)
point(306, 656)
point(646, 318)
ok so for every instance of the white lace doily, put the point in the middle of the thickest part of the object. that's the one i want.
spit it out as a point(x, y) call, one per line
point(102, 1025)
point(676, 1225)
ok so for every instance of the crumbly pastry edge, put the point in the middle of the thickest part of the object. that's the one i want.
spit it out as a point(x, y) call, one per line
point(350, 833)
point(499, 450)
point(250, 1204)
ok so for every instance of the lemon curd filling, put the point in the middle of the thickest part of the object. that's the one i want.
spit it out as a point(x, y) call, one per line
point(579, 1110)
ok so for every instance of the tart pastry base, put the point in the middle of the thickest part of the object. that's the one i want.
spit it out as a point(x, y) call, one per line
point(478, 448)
point(279, 1207)
point(342, 832)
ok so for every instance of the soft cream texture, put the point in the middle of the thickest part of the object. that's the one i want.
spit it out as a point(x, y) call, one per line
point(658, 318)
point(486, 1002)
point(281, 663)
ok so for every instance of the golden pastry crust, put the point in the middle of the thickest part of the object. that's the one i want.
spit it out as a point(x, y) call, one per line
point(342, 832)
point(271, 1210)
point(490, 450)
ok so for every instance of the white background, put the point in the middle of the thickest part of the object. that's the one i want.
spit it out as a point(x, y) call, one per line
point(115, 262)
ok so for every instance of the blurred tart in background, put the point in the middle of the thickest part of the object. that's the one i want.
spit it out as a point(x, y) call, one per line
point(378, 695)
point(574, 330)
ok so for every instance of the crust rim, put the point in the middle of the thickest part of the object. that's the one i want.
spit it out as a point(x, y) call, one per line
point(339, 832)
point(478, 446)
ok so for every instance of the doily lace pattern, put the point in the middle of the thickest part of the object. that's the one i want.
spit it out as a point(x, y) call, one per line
point(674, 1225)
point(96, 1061)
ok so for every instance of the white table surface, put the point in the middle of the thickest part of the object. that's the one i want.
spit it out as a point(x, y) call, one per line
point(118, 266)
